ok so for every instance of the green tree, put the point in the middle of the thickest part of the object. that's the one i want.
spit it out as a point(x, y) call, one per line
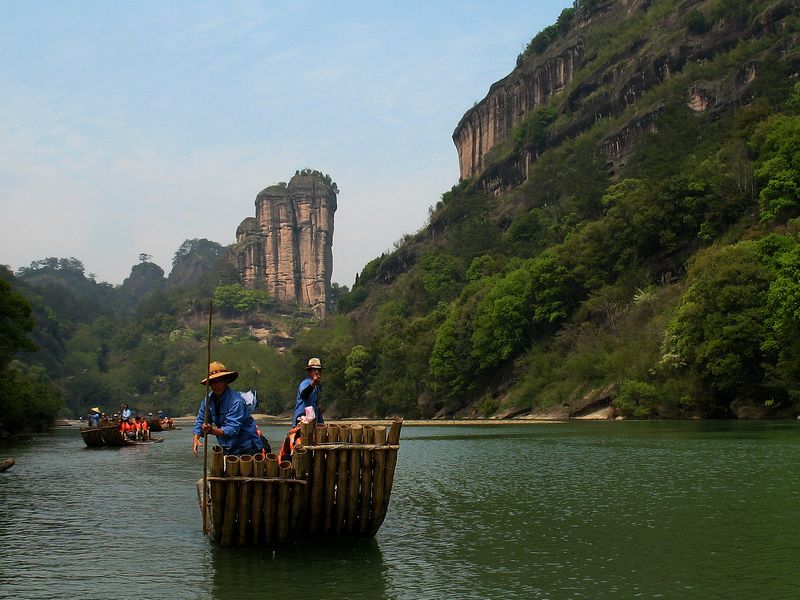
point(719, 326)
point(15, 323)
point(356, 373)
point(501, 327)
point(778, 170)
point(440, 276)
point(782, 340)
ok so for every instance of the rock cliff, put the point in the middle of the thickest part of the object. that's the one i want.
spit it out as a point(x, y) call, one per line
point(585, 82)
point(286, 249)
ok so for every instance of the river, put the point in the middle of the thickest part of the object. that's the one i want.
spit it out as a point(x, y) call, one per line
point(701, 509)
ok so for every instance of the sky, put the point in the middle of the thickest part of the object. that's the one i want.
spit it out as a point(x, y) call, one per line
point(127, 127)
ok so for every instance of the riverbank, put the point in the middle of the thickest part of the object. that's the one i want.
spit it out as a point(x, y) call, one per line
point(263, 419)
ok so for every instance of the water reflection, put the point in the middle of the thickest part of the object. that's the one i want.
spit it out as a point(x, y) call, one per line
point(312, 569)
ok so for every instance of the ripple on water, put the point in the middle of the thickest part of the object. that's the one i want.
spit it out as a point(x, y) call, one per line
point(553, 511)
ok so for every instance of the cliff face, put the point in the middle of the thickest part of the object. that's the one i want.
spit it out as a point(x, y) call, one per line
point(507, 103)
point(286, 249)
point(585, 83)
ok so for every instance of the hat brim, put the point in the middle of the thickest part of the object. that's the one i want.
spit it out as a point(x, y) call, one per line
point(229, 375)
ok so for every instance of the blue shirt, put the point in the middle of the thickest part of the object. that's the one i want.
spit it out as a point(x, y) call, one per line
point(231, 415)
point(311, 400)
point(126, 414)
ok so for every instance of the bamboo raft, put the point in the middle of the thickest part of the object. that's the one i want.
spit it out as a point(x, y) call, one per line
point(338, 485)
point(156, 425)
point(110, 436)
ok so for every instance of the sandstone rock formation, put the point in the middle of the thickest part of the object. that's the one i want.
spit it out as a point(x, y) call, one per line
point(286, 249)
point(569, 76)
point(509, 100)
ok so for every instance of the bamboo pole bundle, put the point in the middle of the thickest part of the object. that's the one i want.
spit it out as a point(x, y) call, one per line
point(353, 499)
point(315, 494)
point(257, 511)
point(300, 497)
point(378, 482)
point(366, 481)
point(271, 469)
point(112, 436)
point(393, 439)
point(284, 496)
point(93, 437)
point(342, 480)
point(245, 470)
point(217, 492)
point(231, 498)
point(330, 479)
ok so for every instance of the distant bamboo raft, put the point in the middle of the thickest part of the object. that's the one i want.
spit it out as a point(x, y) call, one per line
point(338, 484)
point(106, 435)
point(110, 435)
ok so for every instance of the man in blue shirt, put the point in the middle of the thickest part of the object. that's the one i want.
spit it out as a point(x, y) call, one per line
point(309, 392)
point(230, 419)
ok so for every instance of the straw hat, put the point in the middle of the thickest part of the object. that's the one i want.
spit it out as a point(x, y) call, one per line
point(313, 363)
point(95, 409)
point(216, 370)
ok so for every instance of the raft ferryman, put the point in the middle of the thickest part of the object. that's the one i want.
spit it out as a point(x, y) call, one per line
point(230, 419)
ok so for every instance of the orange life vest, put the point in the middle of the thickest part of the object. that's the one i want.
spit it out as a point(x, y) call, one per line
point(290, 442)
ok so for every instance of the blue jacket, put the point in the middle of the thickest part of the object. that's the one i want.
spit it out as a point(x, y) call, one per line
point(312, 399)
point(230, 413)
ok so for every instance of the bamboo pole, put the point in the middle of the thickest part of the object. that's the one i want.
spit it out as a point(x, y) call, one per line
point(299, 498)
point(284, 497)
point(353, 499)
point(217, 492)
point(342, 480)
point(271, 469)
point(378, 483)
point(217, 461)
point(258, 499)
point(330, 480)
point(393, 439)
point(366, 481)
point(307, 434)
point(318, 458)
point(231, 501)
point(245, 470)
point(206, 421)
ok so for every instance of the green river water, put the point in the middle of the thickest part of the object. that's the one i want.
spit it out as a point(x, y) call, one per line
point(697, 509)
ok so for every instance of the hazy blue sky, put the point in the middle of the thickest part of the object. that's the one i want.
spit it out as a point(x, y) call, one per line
point(127, 127)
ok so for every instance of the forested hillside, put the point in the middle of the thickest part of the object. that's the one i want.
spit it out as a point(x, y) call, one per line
point(70, 343)
point(630, 241)
point(657, 273)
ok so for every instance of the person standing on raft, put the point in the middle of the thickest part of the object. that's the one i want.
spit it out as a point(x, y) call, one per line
point(230, 419)
point(306, 409)
point(309, 392)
